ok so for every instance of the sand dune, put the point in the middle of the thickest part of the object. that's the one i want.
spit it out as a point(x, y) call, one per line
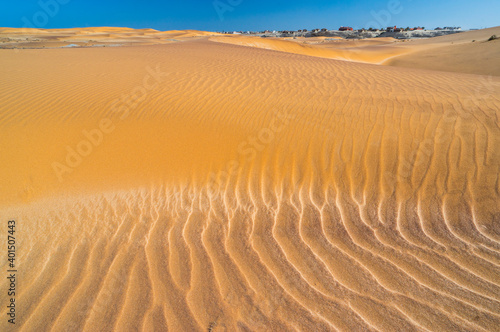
point(462, 37)
point(360, 50)
point(22, 31)
point(92, 37)
point(203, 185)
point(467, 52)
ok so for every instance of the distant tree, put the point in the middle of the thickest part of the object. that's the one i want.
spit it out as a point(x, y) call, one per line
point(407, 29)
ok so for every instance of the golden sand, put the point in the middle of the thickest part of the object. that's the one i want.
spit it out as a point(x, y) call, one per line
point(200, 185)
point(468, 52)
point(368, 51)
point(92, 37)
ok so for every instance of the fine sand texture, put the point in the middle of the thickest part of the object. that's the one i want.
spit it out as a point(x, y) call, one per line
point(200, 185)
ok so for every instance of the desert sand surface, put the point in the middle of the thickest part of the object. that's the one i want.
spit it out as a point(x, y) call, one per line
point(466, 52)
point(27, 38)
point(199, 185)
point(374, 51)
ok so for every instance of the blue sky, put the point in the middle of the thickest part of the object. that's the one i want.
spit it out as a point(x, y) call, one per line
point(218, 15)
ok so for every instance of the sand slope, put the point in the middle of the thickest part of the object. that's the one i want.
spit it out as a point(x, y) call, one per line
point(465, 52)
point(237, 188)
point(359, 50)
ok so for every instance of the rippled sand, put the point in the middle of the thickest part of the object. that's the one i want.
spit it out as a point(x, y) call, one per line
point(200, 185)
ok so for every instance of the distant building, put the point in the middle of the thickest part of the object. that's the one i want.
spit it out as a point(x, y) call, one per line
point(346, 29)
point(394, 29)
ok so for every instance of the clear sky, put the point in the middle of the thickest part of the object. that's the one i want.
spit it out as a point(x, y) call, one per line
point(228, 15)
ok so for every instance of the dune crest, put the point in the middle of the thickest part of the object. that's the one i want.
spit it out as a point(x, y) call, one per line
point(11, 38)
point(354, 52)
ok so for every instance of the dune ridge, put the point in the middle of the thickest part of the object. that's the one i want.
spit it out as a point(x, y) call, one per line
point(16, 38)
point(249, 189)
point(359, 51)
point(466, 52)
